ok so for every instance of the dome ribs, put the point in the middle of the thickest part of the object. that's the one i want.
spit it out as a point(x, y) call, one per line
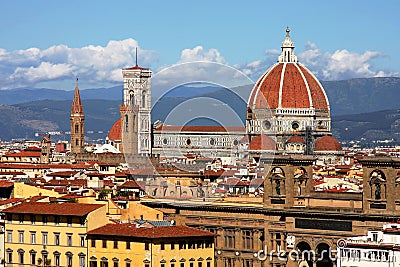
point(254, 92)
point(294, 91)
point(269, 89)
point(299, 88)
point(317, 92)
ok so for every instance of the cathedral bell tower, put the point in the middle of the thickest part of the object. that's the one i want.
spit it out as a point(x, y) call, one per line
point(77, 119)
point(135, 111)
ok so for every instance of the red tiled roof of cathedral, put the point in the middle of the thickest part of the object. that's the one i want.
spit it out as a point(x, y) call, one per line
point(210, 129)
point(296, 139)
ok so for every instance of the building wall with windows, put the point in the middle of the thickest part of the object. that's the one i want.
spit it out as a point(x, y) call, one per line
point(50, 233)
point(126, 245)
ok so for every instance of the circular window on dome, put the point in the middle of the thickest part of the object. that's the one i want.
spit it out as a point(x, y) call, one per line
point(266, 125)
point(295, 125)
point(212, 141)
point(188, 141)
point(165, 141)
point(235, 142)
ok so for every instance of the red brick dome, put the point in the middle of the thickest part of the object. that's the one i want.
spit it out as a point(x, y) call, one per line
point(327, 143)
point(115, 131)
point(263, 143)
point(288, 84)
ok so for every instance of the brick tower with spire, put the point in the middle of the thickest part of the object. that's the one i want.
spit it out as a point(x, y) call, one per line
point(77, 119)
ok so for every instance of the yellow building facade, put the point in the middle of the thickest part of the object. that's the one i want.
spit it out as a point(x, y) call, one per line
point(126, 245)
point(50, 234)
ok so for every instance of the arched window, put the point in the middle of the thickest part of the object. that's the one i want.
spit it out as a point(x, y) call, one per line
point(378, 185)
point(33, 257)
point(69, 259)
point(126, 123)
point(82, 259)
point(9, 255)
point(21, 253)
point(93, 262)
point(131, 98)
point(143, 99)
point(56, 258)
point(104, 262)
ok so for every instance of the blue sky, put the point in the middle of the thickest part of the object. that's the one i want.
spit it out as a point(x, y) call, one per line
point(46, 43)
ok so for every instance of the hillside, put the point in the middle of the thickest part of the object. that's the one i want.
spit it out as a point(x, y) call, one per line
point(363, 95)
point(24, 120)
point(346, 97)
point(380, 125)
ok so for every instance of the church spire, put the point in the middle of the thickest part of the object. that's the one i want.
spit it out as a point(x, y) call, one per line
point(287, 54)
point(77, 103)
point(77, 120)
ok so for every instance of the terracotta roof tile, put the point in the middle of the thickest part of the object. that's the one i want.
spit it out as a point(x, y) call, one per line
point(28, 166)
point(130, 230)
point(6, 184)
point(129, 184)
point(65, 182)
point(208, 129)
point(73, 209)
point(263, 143)
point(296, 139)
point(28, 154)
point(62, 174)
point(327, 143)
point(11, 200)
point(115, 131)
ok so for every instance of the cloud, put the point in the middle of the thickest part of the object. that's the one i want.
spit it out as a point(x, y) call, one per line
point(101, 65)
point(96, 65)
point(340, 65)
point(198, 65)
point(200, 54)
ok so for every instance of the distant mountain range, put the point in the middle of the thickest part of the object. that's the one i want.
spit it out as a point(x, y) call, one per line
point(23, 95)
point(346, 97)
point(379, 125)
point(23, 112)
point(25, 119)
point(356, 96)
